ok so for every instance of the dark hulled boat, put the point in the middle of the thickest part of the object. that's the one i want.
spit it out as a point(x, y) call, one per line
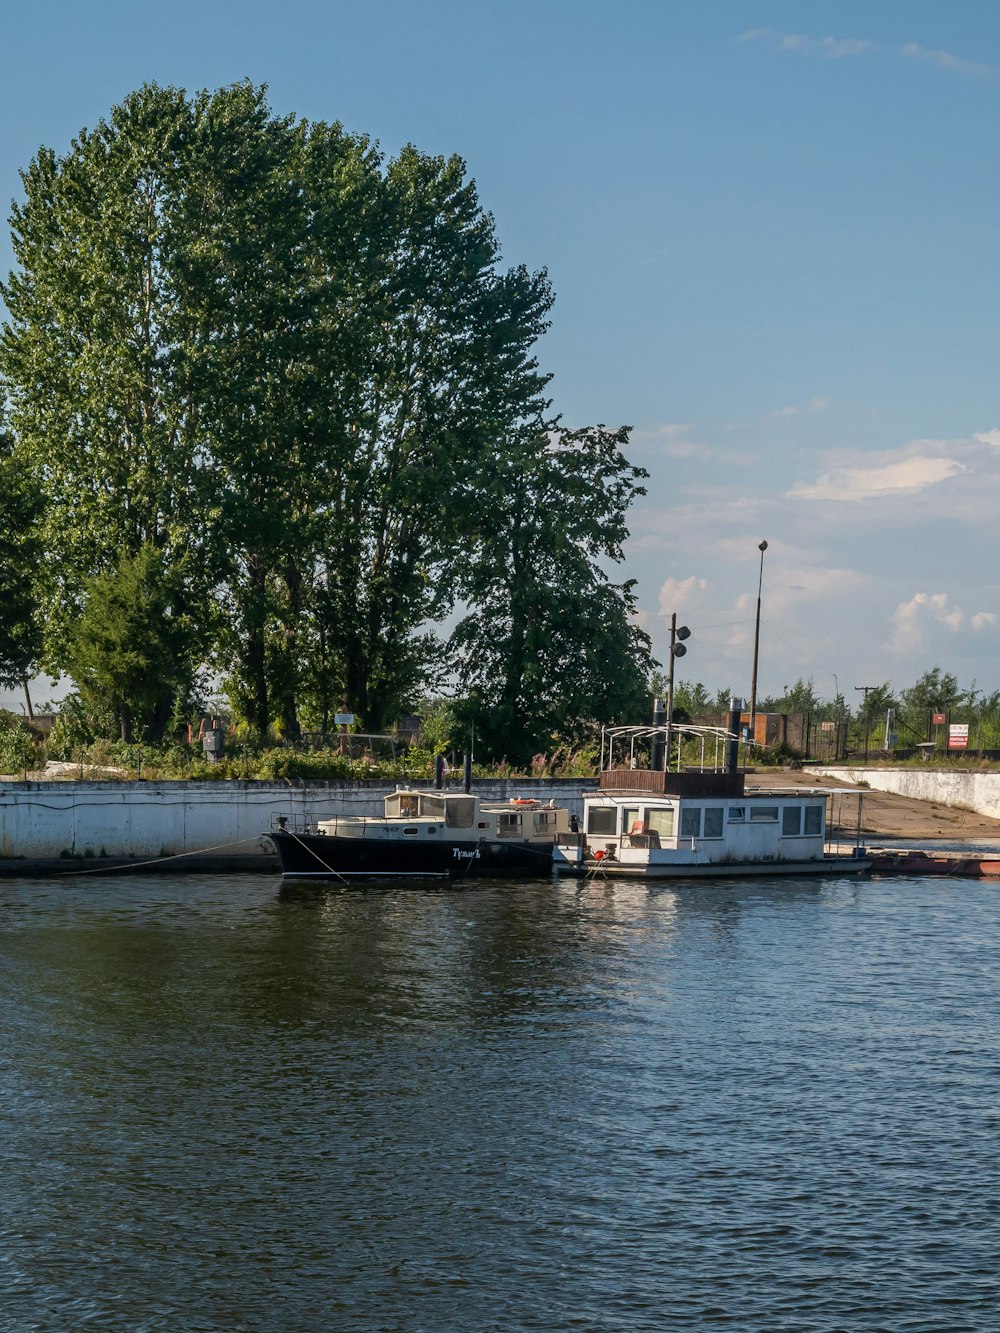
point(425, 835)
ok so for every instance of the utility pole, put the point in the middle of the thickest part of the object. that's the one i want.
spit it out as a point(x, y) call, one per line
point(866, 690)
point(756, 646)
point(677, 649)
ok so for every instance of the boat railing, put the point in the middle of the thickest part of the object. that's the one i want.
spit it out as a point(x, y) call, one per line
point(630, 745)
point(285, 823)
point(359, 825)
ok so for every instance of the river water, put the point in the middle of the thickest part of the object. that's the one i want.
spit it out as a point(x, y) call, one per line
point(739, 1106)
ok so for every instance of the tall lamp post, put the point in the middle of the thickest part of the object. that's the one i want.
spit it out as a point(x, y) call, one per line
point(756, 647)
point(677, 649)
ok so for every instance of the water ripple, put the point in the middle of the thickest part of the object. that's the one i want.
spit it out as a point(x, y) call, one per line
point(559, 1107)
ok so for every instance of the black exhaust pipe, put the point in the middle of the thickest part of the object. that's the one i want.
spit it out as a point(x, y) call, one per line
point(733, 727)
point(659, 720)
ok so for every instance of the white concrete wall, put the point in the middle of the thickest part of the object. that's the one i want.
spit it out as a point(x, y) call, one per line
point(42, 820)
point(979, 792)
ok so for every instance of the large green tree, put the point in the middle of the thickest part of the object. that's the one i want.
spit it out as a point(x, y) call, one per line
point(20, 637)
point(252, 339)
point(89, 350)
point(549, 643)
point(130, 650)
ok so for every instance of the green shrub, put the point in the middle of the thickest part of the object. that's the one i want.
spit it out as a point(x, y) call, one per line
point(19, 749)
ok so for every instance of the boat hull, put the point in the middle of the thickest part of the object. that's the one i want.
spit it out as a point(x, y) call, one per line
point(328, 856)
point(829, 865)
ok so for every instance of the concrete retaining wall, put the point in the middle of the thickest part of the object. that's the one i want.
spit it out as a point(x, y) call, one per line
point(46, 821)
point(979, 792)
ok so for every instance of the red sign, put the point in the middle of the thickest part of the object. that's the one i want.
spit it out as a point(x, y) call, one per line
point(958, 736)
point(939, 719)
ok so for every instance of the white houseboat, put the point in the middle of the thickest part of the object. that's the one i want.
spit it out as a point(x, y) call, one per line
point(653, 823)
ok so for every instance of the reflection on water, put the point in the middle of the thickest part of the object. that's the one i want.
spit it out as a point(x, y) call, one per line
point(752, 1105)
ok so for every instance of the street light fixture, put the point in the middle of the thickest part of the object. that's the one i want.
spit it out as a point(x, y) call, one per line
point(677, 649)
point(756, 646)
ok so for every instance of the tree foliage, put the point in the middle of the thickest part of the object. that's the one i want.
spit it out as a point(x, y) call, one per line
point(548, 642)
point(20, 637)
point(800, 698)
point(131, 648)
point(254, 360)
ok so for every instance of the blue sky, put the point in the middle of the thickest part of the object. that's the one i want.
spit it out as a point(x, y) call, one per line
point(771, 230)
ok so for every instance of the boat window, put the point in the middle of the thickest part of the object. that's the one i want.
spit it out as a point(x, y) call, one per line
point(432, 807)
point(737, 814)
point(482, 824)
point(814, 819)
point(601, 819)
point(764, 814)
point(691, 821)
point(660, 821)
point(630, 817)
point(508, 820)
point(459, 812)
point(791, 821)
point(409, 832)
point(543, 820)
point(714, 815)
point(402, 806)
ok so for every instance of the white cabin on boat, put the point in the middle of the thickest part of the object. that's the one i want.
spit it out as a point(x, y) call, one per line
point(655, 823)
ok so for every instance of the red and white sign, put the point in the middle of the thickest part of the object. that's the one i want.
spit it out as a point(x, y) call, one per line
point(939, 719)
point(958, 736)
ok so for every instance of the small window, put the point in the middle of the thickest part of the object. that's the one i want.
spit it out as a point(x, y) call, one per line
point(791, 821)
point(737, 814)
point(601, 819)
point(660, 821)
point(630, 817)
point(482, 824)
point(459, 811)
point(760, 814)
point(409, 832)
point(814, 820)
point(713, 821)
point(691, 821)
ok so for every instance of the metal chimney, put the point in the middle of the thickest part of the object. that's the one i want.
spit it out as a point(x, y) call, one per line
point(733, 727)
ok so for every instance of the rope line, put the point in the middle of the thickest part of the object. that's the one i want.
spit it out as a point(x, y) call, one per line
point(159, 860)
point(343, 879)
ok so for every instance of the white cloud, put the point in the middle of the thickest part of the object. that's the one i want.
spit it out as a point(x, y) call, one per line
point(837, 48)
point(903, 477)
point(943, 60)
point(671, 440)
point(829, 48)
point(669, 430)
point(931, 612)
point(676, 594)
point(813, 405)
point(989, 437)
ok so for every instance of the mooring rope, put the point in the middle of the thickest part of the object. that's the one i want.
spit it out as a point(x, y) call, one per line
point(316, 854)
point(158, 860)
